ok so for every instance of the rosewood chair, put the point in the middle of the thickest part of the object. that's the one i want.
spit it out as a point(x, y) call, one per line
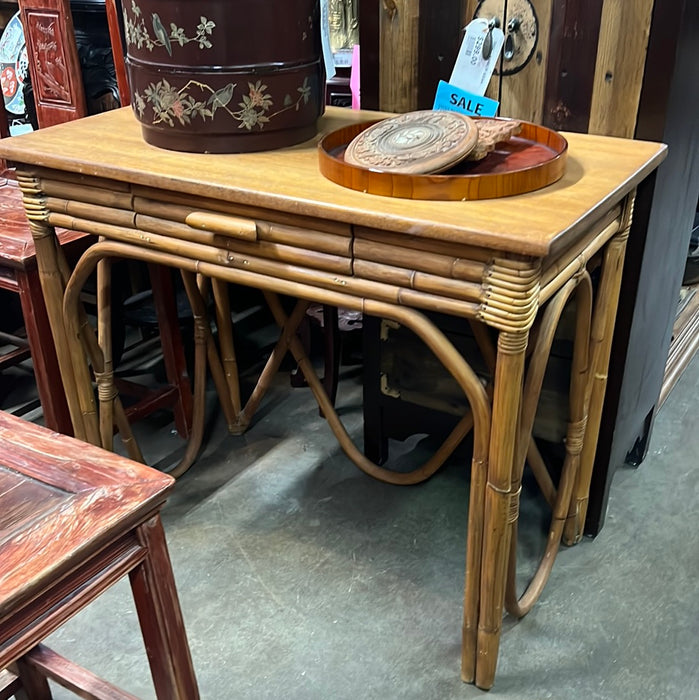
point(60, 96)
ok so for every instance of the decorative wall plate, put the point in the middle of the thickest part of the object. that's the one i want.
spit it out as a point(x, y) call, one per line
point(529, 161)
point(419, 142)
point(13, 65)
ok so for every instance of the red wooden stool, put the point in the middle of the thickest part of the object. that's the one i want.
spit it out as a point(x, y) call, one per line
point(19, 274)
point(73, 520)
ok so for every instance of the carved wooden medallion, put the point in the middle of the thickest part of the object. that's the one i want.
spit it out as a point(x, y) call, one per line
point(414, 143)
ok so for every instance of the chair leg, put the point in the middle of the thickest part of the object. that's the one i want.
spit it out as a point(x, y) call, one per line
point(46, 371)
point(333, 351)
point(297, 378)
point(171, 342)
point(9, 685)
point(375, 439)
point(159, 614)
point(34, 685)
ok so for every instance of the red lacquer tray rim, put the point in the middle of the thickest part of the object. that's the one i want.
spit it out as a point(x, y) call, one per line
point(447, 186)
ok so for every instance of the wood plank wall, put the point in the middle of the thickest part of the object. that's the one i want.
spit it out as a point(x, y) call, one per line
point(587, 70)
point(585, 75)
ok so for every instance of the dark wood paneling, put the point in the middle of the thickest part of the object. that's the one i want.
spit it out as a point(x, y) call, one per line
point(575, 26)
point(657, 247)
point(438, 44)
point(369, 52)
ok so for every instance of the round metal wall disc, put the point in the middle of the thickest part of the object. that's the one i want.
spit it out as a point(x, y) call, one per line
point(414, 143)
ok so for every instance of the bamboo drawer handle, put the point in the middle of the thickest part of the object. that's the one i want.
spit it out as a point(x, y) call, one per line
point(226, 225)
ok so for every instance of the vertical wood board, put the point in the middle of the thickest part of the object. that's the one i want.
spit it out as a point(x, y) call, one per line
point(619, 67)
point(575, 27)
point(522, 94)
point(438, 44)
point(398, 52)
point(369, 55)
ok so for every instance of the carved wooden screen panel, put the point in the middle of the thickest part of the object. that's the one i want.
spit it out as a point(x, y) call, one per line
point(53, 61)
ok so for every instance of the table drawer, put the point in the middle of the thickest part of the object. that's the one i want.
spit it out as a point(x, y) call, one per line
point(271, 243)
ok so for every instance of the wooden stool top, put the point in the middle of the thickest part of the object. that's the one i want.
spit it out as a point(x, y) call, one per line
point(61, 501)
point(16, 243)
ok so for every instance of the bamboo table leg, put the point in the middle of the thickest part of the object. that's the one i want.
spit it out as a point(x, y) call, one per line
point(225, 335)
point(559, 497)
point(602, 334)
point(479, 419)
point(52, 284)
point(82, 337)
point(78, 328)
point(501, 505)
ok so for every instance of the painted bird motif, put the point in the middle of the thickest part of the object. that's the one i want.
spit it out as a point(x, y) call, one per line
point(160, 33)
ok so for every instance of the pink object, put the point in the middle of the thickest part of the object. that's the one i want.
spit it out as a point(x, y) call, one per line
point(354, 78)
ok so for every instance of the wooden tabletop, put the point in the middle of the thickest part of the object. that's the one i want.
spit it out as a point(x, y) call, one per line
point(60, 501)
point(600, 171)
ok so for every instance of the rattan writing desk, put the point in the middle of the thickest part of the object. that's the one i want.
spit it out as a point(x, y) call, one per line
point(270, 220)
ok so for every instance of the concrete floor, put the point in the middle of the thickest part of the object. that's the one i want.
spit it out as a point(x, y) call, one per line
point(302, 578)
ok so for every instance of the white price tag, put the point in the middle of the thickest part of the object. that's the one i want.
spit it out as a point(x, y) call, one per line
point(477, 57)
point(343, 58)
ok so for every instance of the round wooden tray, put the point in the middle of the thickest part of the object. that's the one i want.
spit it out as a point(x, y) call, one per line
point(532, 160)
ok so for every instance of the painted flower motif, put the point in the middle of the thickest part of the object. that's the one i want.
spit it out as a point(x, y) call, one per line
point(305, 90)
point(137, 34)
point(178, 109)
point(204, 29)
point(135, 8)
point(177, 34)
point(258, 97)
point(206, 26)
point(248, 116)
point(168, 103)
point(139, 103)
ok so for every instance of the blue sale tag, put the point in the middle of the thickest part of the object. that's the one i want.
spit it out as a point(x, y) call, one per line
point(455, 99)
